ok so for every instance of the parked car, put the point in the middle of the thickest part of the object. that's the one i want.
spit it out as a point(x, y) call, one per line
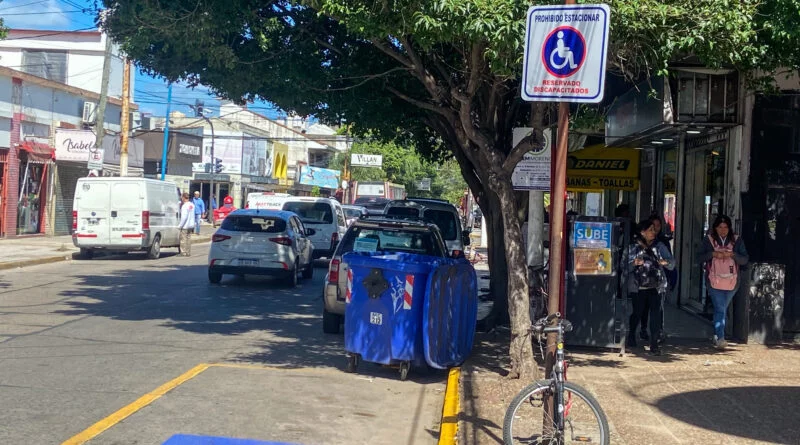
point(439, 212)
point(121, 214)
point(374, 234)
point(353, 213)
point(325, 216)
point(261, 242)
point(224, 211)
point(374, 204)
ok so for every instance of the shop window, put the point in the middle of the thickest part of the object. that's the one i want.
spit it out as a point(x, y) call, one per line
point(29, 203)
point(51, 65)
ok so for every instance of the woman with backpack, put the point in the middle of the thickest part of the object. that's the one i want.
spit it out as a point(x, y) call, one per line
point(723, 254)
point(647, 282)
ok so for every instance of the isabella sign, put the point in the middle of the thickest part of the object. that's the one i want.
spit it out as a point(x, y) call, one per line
point(75, 146)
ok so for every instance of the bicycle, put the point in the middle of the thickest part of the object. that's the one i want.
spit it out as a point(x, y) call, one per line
point(528, 419)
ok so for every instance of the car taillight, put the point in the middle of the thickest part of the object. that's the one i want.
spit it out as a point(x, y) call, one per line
point(217, 238)
point(145, 220)
point(333, 271)
point(283, 240)
point(74, 220)
point(334, 240)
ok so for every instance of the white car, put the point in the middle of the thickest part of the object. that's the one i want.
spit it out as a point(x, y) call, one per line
point(261, 242)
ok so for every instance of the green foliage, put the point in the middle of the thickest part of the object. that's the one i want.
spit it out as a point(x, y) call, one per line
point(403, 165)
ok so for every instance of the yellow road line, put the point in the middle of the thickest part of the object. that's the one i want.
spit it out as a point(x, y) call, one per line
point(120, 415)
point(449, 427)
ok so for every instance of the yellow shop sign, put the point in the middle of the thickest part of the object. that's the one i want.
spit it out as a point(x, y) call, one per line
point(601, 168)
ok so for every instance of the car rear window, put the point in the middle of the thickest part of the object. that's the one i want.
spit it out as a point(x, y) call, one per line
point(256, 224)
point(352, 213)
point(403, 211)
point(311, 212)
point(447, 222)
point(364, 239)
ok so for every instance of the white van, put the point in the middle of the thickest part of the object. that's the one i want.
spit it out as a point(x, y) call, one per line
point(325, 216)
point(121, 214)
point(266, 200)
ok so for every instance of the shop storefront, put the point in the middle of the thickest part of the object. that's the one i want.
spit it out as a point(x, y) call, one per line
point(686, 127)
point(71, 158)
point(34, 161)
point(183, 152)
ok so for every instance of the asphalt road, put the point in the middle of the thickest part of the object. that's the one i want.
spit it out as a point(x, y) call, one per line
point(82, 340)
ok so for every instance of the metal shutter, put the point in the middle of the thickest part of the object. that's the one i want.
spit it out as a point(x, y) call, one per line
point(67, 178)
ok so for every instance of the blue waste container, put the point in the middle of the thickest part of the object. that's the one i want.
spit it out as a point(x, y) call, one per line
point(450, 314)
point(383, 315)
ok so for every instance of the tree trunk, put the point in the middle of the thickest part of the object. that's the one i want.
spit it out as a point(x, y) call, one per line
point(521, 348)
point(498, 266)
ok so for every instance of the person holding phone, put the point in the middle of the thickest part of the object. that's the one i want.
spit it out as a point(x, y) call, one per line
point(647, 282)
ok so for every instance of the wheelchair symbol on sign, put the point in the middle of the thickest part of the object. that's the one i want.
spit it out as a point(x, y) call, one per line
point(564, 51)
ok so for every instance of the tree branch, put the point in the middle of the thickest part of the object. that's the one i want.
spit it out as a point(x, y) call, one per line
point(393, 54)
point(366, 79)
point(536, 139)
point(421, 103)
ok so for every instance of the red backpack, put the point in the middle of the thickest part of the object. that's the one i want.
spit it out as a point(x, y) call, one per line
point(723, 273)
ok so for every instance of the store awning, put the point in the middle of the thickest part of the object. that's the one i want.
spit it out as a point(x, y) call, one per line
point(37, 151)
point(598, 167)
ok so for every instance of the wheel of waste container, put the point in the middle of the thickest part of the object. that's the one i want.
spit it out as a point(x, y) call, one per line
point(352, 363)
point(404, 368)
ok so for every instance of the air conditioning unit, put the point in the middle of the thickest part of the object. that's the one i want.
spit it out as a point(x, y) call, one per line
point(89, 112)
point(136, 120)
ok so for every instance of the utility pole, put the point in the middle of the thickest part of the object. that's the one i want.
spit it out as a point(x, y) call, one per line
point(100, 112)
point(166, 134)
point(126, 117)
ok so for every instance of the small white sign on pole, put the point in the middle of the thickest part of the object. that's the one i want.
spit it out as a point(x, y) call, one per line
point(533, 171)
point(566, 47)
point(362, 160)
point(96, 158)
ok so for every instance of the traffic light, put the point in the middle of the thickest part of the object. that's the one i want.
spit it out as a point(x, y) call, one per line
point(218, 167)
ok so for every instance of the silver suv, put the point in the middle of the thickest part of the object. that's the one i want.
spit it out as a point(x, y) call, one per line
point(374, 234)
point(439, 212)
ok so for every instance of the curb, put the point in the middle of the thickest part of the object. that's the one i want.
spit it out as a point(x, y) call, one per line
point(35, 261)
point(66, 257)
point(448, 430)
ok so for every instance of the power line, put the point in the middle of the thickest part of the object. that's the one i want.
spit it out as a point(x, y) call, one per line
point(41, 13)
point(26, 4)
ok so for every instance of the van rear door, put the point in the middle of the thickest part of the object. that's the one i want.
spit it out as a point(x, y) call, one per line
point(127, 205)
point(92, 212)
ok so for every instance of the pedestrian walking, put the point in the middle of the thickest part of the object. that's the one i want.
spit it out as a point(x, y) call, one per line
point(672, 275)
point(723, 254)
point(187, 224)
point(647, 282)
point(199, 211)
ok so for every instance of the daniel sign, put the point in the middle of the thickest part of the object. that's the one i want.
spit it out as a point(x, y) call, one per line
point(566, 47)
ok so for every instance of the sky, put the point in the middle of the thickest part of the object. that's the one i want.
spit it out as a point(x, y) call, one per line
point(149, 93)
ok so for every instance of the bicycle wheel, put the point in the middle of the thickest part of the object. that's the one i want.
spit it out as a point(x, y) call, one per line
point(527, 422)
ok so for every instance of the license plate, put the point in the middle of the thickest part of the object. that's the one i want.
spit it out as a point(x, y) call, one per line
point(376, 318)
point(94, 222)
point(245, 262)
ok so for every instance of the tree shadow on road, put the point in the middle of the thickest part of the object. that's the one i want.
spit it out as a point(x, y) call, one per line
point(761, 413)
point(180, 297)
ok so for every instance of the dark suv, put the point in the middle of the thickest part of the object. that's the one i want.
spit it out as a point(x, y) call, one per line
point(369, 235)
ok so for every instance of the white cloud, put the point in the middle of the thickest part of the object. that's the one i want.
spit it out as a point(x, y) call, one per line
point(31, 14)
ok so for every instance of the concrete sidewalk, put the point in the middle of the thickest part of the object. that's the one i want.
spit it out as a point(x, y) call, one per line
point(693, 394)
point(34, 250)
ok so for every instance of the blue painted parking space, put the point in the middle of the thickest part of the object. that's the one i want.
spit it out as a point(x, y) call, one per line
point(189, 439)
